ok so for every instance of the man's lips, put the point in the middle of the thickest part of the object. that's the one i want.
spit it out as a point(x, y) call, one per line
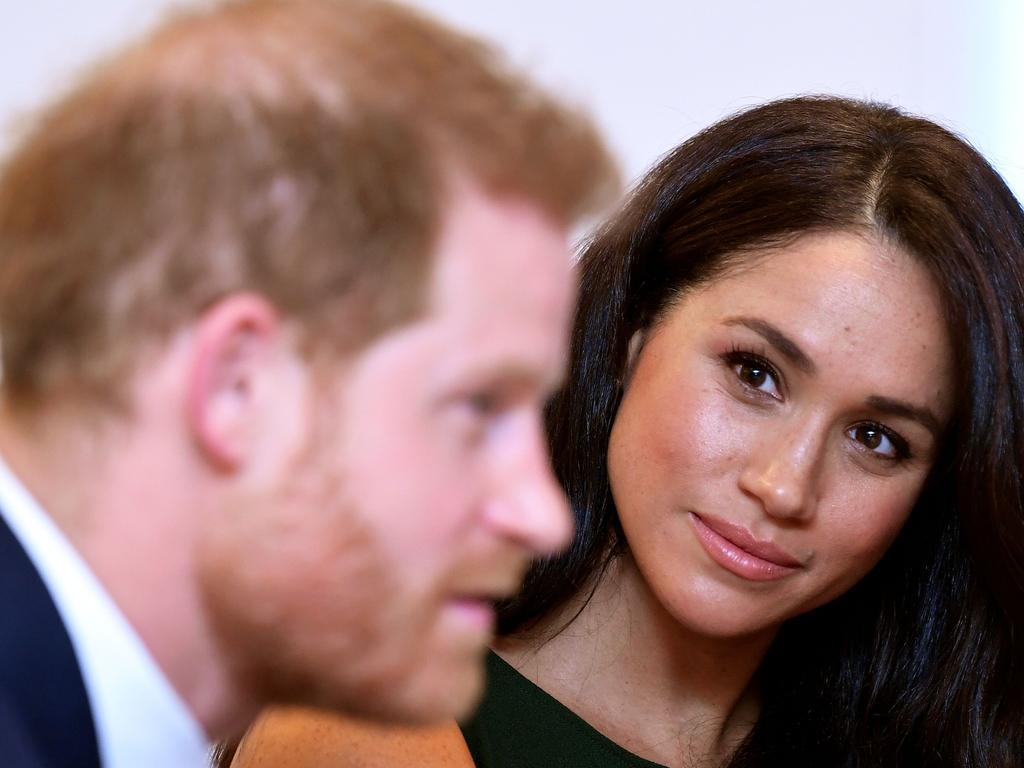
point(476, 604)
point(737, 550)
point(475, 612)
point(489, 594)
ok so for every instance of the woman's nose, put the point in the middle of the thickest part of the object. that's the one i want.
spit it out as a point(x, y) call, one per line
point(782, 471)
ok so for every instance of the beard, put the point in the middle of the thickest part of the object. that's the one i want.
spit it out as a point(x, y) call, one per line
point(298, 589)
point(308, 604)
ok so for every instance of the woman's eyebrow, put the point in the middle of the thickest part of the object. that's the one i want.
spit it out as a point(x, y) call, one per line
point(920, 414)
point(792, 352)
point(785, 345)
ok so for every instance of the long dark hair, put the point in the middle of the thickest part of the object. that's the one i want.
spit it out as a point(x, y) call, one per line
point(915, 666)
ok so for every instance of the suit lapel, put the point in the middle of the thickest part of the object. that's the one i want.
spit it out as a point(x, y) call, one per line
point(44, 708)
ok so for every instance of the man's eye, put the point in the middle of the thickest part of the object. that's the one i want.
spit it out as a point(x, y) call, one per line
point(879, 440)
point(483, 403)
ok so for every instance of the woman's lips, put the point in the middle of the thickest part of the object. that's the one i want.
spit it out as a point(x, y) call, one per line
point(739, 552)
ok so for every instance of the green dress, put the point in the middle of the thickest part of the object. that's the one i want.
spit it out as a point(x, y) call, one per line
point(518, 725)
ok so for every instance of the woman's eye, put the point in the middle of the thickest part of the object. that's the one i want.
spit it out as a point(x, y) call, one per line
point(879, 440)
point(756, 374)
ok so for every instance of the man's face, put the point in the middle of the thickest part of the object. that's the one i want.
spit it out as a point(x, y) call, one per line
point(412, 489)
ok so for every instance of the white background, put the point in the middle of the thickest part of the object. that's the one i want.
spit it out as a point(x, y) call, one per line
point(653, 72)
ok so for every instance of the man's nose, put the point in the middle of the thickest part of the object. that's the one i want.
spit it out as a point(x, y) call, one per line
point(528, 505)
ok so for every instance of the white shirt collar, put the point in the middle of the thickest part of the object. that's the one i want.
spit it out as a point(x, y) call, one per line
point(140, 719)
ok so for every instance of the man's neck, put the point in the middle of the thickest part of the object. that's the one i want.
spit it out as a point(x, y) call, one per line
point(634, 673)
point(124, 511)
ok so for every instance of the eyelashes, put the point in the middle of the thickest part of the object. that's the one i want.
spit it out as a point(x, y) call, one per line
point(880, 440)
point(754, 372)
point(760, 379)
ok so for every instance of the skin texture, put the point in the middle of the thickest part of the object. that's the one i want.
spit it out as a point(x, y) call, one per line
point(791, 443)
point(323, 530)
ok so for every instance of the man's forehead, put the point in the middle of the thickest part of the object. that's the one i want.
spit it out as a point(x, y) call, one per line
point(489, 239)
point(501, 290)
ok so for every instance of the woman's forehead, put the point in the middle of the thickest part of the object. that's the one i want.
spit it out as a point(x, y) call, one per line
point(856, 308)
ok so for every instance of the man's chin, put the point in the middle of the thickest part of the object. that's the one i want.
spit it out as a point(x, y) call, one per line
point(429, 696)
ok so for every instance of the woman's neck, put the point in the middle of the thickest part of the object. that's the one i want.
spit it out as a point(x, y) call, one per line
point(628, 668)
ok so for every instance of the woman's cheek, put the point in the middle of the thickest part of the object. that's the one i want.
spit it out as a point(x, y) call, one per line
point(862, 524)
point(716, 433)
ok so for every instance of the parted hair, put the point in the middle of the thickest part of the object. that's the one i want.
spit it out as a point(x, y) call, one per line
point(300, 149)
point(920, 664)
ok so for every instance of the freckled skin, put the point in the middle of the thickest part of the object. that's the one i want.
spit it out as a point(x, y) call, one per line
point(689, 437)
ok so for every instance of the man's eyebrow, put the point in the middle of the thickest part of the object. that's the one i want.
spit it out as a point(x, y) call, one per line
point(922, 415)
point(519, 377)
point(785, 345)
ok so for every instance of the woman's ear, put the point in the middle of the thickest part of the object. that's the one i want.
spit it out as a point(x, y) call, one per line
point(636, 344)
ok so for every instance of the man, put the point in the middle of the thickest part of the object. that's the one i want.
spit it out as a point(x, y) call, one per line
point(283, 288)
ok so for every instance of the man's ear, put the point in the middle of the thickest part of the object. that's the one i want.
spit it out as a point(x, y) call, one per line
point(237, 342)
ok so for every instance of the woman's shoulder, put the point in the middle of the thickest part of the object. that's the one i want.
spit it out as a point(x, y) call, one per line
point(520, 725)
point(306, 738)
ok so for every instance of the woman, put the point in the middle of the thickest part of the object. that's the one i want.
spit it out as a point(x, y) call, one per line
point(792, 434)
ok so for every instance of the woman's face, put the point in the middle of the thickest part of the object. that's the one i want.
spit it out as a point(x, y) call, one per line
point(776, 429)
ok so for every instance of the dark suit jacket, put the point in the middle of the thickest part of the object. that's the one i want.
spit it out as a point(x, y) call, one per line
point(45, 719)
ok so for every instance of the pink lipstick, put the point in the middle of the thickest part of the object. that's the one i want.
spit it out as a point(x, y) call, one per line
point(738, 551)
